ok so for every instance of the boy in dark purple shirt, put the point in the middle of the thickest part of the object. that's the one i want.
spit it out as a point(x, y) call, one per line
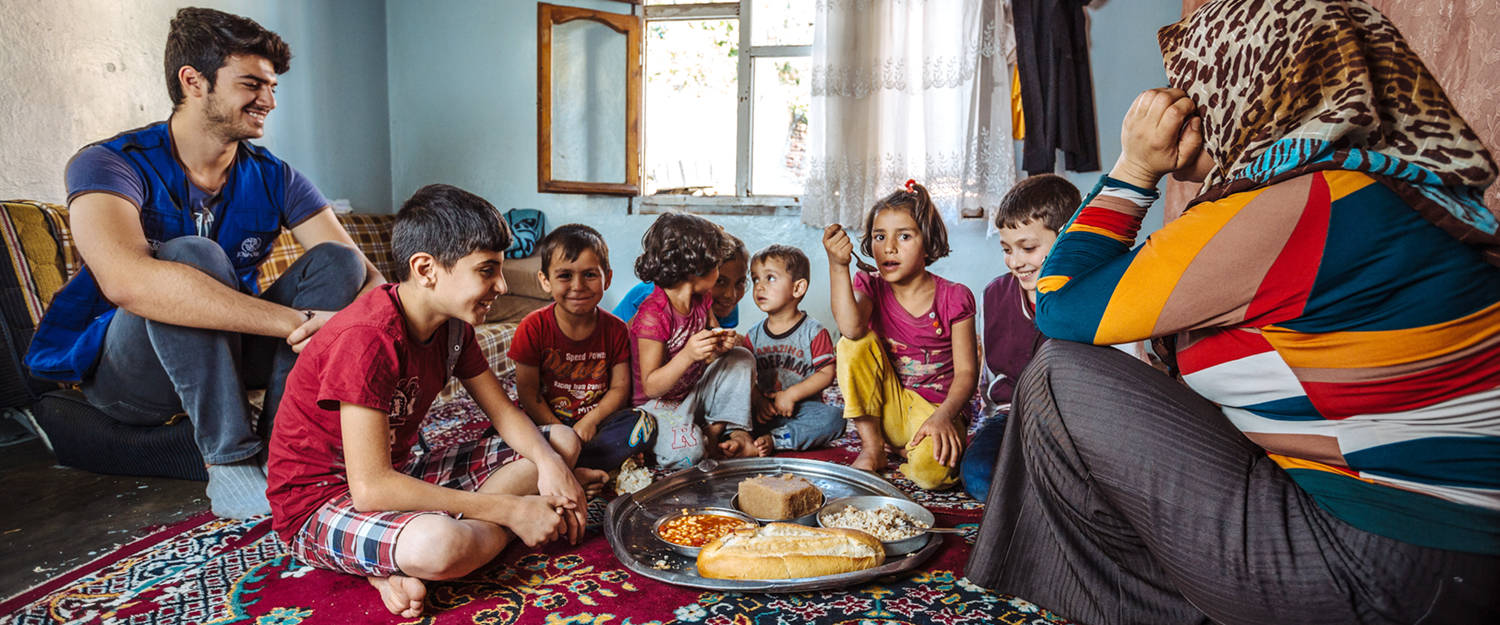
point(1029, 218)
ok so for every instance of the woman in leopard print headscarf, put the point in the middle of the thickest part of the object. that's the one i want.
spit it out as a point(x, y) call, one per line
point(1328, 85)
point(1334, 298)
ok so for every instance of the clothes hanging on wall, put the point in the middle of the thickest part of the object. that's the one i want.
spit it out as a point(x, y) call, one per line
point(1057, 88)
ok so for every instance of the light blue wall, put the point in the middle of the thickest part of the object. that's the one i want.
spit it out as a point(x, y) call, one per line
point(463, 112)
point(332, 119)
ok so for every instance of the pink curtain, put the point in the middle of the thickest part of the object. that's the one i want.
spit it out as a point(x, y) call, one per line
point(1459, 41)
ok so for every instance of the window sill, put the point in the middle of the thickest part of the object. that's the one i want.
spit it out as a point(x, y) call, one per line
point(768, 205)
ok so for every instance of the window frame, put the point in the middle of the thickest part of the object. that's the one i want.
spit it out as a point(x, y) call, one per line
point(743, 202)
point(632, 27)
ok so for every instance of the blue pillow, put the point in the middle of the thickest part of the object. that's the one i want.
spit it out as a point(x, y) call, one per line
point(527, 226)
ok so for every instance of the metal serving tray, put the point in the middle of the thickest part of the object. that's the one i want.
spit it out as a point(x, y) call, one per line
point(628, 521)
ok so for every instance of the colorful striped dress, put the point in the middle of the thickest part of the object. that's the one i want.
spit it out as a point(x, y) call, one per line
point(1356, 342)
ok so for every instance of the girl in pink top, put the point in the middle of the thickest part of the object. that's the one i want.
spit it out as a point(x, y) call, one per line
point(908, 363)
point(690, 374)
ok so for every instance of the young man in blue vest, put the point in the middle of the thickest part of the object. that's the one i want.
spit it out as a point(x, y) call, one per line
point(173, 221)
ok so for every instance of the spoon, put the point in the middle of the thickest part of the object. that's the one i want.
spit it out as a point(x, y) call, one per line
point(708, 465)
point(862, 264)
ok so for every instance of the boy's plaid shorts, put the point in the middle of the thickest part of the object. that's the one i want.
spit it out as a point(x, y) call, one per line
point(340, 538)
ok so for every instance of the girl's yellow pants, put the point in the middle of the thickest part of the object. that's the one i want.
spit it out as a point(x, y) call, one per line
point(872, 388)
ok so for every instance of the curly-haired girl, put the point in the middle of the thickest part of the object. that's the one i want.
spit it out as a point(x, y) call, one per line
point(908, 363)
point(690, 374)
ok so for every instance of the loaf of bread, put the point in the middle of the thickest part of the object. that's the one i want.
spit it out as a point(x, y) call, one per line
point(779, 497)
point(787, 551)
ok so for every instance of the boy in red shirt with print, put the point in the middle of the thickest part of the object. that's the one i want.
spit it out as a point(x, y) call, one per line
point(347, 492)
point(573, 359)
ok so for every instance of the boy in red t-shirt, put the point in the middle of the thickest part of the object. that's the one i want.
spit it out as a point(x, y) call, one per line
point(346, 491)
point(573, 359)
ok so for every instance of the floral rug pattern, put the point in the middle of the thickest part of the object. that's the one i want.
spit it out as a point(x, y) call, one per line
point(224, 572)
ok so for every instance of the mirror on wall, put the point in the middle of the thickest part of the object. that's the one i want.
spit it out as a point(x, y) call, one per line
point(588, 101)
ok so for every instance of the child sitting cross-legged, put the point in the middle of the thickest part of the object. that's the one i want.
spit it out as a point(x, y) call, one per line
point(347, 492)
point(908, 362)
point(573, 359)
point(1029, 218)
point(689, 373)
point(793, 358)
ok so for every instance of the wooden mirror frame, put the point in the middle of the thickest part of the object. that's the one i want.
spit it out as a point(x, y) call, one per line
point(549, 15)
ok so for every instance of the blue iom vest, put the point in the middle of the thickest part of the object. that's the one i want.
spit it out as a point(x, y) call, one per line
point(69, 338)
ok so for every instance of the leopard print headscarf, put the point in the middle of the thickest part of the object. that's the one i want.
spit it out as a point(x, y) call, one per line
point(1290, 86)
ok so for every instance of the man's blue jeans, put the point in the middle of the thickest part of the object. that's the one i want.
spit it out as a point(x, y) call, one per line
point(151, 371)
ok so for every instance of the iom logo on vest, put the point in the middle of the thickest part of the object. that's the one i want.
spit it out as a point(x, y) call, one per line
point(249, 248)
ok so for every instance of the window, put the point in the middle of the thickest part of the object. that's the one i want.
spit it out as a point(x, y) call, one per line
point(727, 90)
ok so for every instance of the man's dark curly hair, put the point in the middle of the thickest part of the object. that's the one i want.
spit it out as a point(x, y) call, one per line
point(681, 246)
point(204, 38)
point(915, 200)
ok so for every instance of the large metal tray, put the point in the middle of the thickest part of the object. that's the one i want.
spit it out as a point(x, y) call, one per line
point(628, 519)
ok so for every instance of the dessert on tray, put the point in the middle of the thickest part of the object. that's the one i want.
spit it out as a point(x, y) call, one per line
point(779, 497)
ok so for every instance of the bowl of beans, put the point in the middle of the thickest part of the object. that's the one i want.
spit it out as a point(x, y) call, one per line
point(687, 531)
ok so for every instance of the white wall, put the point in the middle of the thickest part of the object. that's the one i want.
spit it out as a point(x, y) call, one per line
point(78, 71)
point(463, 112)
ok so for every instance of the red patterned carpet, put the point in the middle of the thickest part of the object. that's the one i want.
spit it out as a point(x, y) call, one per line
point(207, 570)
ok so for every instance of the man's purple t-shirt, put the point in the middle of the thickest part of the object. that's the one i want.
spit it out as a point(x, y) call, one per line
point(920, 348)
point(99, 169)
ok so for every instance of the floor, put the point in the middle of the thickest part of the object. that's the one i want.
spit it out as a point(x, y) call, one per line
point(61, 518)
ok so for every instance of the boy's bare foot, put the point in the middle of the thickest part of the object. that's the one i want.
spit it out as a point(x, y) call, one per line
point(402, 595)
point(592, 480)
point(764, 446)
point(871, 458)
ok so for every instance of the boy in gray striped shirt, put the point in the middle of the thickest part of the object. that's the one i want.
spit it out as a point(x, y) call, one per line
point(793, 358)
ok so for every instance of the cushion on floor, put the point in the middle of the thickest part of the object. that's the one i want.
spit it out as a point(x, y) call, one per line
point(83, 437)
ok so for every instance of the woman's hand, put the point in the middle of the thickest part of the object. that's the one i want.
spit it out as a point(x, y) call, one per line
point(947, 444)
point(1161, 134)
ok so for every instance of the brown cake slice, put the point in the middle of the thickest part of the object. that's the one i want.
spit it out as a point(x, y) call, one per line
point(779, 497)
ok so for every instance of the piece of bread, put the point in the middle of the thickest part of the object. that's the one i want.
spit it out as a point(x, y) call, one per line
point(779, 497)
point(787, 551)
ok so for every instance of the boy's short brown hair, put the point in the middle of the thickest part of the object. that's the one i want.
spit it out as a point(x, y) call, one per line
point(572, 240)
point(1046, 198)
point(793, 259)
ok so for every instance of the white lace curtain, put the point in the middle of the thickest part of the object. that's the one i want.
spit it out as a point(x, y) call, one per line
point(909, 89)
